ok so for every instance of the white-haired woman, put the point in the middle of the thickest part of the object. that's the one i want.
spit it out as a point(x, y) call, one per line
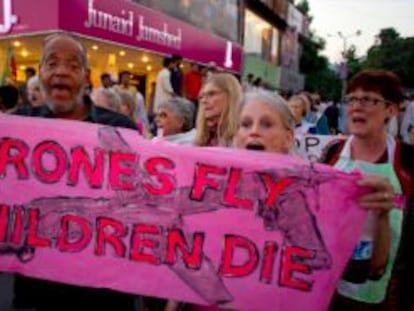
point(34, 92)
point(265, 123)
point(175, 119)
point(107, 98)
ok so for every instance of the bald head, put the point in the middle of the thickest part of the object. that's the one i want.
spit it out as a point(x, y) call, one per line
point(69, 40)
point(63, 70)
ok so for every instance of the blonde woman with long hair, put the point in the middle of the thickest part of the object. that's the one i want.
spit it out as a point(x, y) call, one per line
point(219, 102)
point(217, 116)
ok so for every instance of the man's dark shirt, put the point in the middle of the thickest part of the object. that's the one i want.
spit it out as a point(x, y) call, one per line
point(177, 81)
point(51, 296)
point(96, 115)
point(332, 114)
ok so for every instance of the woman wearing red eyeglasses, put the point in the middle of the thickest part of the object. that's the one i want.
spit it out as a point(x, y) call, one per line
point(372, 100)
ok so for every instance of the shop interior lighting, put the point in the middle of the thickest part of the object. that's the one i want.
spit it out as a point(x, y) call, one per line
point(261, 26)
point(130, 65)
point(95, 47)
point(253, 19)
point(149, 68)
point(249, 17)
point(145, 59)
point(17, 44)
point(24, 53)
point(22, 67)
point(122, 53)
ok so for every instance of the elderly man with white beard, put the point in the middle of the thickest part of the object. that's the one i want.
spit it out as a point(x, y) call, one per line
point(62, 74)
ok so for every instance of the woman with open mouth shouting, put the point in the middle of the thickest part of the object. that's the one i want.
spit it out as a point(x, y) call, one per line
point(265, 123)
point(372, 99)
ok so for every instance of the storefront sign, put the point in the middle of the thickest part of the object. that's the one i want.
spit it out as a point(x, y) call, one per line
point(135, 25)
point(18, 17)
point(158, 36)
point(126, 25)
point(104, 208)
point(220, 17)
point(9, 19)
point(121, 22)
point(112, 23)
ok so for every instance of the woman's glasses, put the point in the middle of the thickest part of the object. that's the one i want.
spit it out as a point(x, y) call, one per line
point(208, 95)
point(365, 101)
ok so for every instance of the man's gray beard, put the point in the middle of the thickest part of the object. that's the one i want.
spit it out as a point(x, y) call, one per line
point(67, 107)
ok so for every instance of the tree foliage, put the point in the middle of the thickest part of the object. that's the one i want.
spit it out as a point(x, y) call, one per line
point(304, 8)
point(392, 52)
point(354, 63)
point(319, 76)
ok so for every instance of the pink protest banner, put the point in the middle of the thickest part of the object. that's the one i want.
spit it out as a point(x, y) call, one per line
point(97, 206)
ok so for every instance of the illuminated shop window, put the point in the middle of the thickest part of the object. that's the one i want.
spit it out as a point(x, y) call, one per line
point(260, 38)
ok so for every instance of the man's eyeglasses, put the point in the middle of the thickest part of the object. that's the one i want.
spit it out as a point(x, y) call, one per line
point(365, 101)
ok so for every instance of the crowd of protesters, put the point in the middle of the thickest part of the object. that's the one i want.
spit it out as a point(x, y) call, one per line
point(312, 114)
point(206, 107)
